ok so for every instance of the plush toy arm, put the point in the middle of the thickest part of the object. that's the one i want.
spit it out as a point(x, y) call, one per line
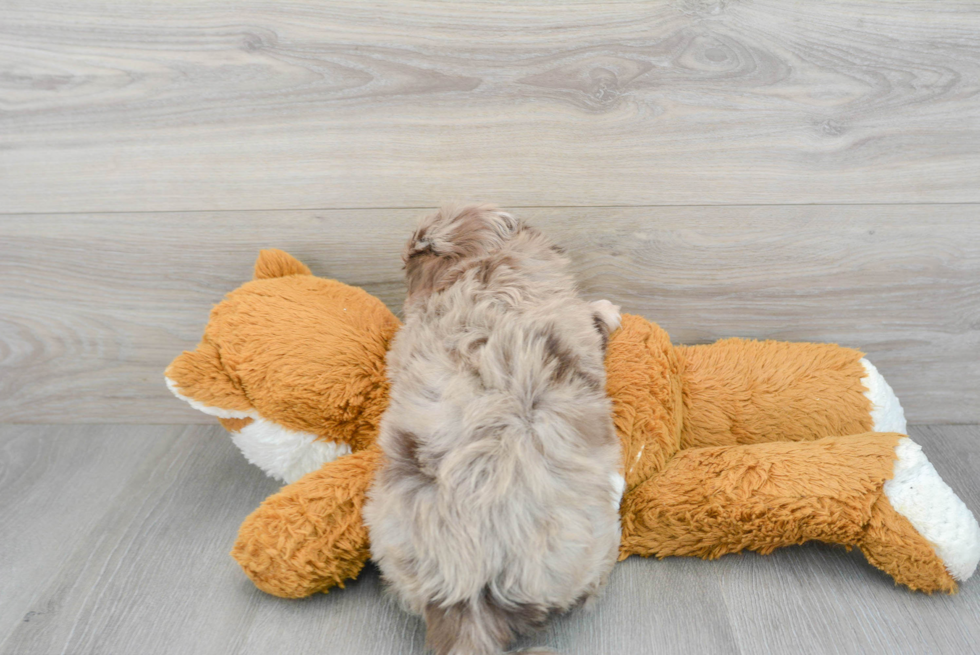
point(712, 501)
point(737, 391)
point(310, 537)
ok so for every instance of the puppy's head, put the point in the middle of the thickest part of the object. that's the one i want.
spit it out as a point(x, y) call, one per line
point(449, 236)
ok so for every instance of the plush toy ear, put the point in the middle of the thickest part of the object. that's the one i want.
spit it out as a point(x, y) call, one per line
point(276, 263)
point(198, 377)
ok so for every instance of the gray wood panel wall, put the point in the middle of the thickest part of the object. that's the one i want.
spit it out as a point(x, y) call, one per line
point(799, 171)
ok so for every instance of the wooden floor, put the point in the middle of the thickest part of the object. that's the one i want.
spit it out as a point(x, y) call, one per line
point(769, 169)
point(116, 540)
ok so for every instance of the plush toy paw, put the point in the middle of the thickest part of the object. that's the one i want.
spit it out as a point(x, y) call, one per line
point(607, 313)
point(918, 493)
point(919, 531)
point(886, 411)
point(310, 537)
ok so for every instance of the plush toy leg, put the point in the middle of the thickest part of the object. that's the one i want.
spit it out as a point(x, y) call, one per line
point(310, 536)
point(917, 493)
point(738, 391)
point(712, 501)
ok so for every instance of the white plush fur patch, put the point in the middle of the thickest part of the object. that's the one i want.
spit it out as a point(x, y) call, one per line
point(207, 409)
point(284, 454)
point(886, 411)
point(918, 493)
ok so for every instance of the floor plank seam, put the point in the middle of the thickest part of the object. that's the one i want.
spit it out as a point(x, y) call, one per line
point(509, 206)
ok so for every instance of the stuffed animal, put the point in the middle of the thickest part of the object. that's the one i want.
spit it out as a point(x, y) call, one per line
point(731, 446)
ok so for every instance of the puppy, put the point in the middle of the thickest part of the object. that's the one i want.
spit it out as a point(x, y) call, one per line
point(498, 503)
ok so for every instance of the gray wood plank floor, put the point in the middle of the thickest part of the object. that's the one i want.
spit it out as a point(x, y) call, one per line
point(114, 540)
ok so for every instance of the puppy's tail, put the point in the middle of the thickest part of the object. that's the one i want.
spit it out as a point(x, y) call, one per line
point(480, 627)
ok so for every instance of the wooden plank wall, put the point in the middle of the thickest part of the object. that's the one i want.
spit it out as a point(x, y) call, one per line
point(800, 171)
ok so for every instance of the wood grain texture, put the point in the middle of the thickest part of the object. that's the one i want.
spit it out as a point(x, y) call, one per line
point(153, 569)
point(830, 601)
point(95, 306)
point(114, 105)
point(55, 482)
point(142, 567)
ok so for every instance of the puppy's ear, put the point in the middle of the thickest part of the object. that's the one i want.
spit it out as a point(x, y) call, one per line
point(453, 234)
point(425, 270)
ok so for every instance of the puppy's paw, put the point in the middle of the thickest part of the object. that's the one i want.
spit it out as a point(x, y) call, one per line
point(606, 313)
point(605, 316)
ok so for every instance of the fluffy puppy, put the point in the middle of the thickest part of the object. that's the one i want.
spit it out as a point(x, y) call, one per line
point(498, 504)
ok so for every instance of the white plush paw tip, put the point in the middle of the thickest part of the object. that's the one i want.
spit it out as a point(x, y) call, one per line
point(887, 414)
point(918, 493)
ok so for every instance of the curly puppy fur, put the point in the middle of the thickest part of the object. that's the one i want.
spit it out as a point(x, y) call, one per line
point(498, 504)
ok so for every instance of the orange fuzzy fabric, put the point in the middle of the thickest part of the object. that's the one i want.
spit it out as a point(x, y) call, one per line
point(644, 381)
point(710, 502)
point(738, 391)
point(310, 537)
point(300, 351)
point(723, 499)
point(731, 446)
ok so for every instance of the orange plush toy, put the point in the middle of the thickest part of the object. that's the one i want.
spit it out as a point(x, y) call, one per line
point(737, 445)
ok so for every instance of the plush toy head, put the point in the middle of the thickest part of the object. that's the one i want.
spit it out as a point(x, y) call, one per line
point(290, 359)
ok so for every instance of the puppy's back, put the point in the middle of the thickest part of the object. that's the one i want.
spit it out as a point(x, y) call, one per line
point(496, 507)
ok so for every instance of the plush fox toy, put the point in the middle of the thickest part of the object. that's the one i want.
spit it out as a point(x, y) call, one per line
point(731, 446)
